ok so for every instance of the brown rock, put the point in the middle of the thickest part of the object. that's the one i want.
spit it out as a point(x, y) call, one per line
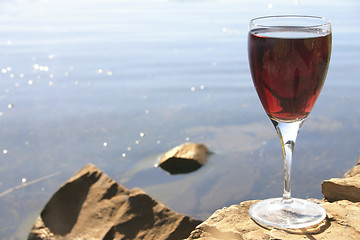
point(336, 189)
point(91, 205)
point(354, 171)
point(347, 188)
point(234, 223)
point(185, 158)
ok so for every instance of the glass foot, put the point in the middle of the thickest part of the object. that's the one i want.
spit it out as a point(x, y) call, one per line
point(294, 215)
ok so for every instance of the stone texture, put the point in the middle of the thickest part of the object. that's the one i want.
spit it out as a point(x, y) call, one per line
point(347, 188)
point(234, 223)
point(336, 189)
point(354, 171)
point(91, 205)
point(184, 158)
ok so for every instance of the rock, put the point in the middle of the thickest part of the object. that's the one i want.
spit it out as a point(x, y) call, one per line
point(336, 189)
point(347, 188)
point(354, 171)
point(234, 223)
point(91, 205)
point(185, 158)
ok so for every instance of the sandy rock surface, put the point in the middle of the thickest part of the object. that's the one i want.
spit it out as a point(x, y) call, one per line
point(234, 223)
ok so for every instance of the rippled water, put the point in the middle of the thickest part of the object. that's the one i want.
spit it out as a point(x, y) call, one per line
point(118, 83)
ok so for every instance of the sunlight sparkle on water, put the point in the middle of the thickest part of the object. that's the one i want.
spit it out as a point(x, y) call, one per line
point(38, 67)
point(5, 151)
point(23, 180)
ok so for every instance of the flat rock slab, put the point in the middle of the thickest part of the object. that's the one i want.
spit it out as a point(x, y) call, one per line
point(91, 205)
point(234, 223)
point(347, 188)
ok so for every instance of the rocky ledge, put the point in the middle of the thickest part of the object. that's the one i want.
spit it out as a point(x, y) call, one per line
point(341, 201)
point(91, 205)
point(234, 223)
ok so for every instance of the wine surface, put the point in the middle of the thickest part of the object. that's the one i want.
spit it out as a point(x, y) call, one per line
point(288, 68)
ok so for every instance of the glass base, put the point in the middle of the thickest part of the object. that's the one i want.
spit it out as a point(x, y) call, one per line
point(297, 214)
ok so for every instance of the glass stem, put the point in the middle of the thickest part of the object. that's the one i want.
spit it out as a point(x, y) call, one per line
point(287, 132)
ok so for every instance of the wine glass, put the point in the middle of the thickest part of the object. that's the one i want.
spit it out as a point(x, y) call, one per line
point(289, 58)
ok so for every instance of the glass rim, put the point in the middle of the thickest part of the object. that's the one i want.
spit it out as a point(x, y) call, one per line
point(326, 21)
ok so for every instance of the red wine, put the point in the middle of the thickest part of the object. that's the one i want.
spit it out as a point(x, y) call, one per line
point(288, 70)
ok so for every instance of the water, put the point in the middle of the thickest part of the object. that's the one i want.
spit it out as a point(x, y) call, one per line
point(118, 83)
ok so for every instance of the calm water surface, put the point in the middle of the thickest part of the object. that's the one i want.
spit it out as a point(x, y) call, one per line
point(118, 83)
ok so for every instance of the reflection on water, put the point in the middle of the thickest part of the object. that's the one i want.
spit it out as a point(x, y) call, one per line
point(118, 83)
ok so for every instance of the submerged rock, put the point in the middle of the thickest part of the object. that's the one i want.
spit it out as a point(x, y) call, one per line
point(91, 205)
point(185, 158)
